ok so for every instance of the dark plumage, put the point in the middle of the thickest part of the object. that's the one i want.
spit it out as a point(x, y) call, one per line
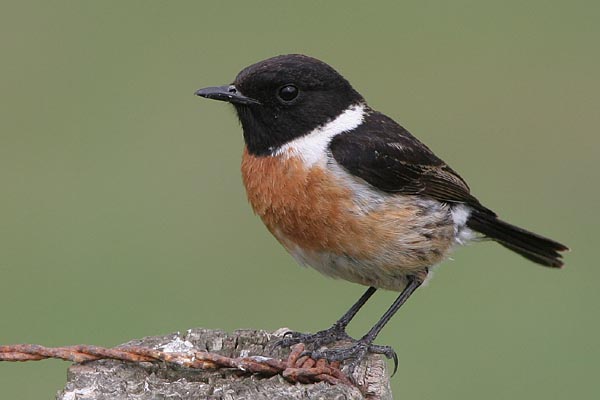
point(324, 94)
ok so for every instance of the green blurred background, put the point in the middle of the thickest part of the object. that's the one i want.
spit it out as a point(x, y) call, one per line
point(122, 212)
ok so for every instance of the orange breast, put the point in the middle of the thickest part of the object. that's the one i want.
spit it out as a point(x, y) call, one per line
point(296, 204)
point(313, 210)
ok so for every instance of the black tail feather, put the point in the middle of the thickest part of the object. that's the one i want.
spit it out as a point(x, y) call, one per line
point(530, 245)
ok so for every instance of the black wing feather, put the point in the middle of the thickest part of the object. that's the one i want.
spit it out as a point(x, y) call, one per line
point(387, 156)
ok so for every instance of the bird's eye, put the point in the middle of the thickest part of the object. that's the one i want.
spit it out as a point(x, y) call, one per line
point(288, 93)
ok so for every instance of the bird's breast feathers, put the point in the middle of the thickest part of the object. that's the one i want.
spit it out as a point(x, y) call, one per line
point(336, 222)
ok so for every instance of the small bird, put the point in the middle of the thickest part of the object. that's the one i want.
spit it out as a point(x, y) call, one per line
point(348, 191)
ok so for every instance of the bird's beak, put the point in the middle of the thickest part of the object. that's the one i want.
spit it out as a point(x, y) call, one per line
point(227, 93)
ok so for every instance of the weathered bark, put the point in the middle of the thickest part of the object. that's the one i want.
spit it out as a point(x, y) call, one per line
point(109, 379)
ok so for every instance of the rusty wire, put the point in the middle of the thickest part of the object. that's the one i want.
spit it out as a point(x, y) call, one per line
point(297, 368)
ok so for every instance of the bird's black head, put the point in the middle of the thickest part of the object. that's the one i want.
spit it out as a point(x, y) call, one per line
point(284, 97)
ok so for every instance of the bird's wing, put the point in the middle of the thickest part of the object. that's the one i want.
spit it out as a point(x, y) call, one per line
point(388, 157)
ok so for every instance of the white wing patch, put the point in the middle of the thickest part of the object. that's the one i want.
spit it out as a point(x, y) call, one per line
point(312, 147)
point(397, 146)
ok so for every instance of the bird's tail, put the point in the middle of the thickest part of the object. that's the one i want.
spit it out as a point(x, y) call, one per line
point(530, 245)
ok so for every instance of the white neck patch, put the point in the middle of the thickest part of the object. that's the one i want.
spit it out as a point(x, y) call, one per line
point(312, 147)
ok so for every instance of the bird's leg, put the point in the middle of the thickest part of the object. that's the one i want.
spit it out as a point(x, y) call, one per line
point(359, 349)
point(333, 334)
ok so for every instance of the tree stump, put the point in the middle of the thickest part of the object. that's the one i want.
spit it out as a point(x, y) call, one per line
point(110, 379)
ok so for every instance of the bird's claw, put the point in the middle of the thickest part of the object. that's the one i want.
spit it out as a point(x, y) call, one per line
point(355, 352)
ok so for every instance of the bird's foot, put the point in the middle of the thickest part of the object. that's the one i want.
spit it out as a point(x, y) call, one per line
point(315, 340)
point(356, 352)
